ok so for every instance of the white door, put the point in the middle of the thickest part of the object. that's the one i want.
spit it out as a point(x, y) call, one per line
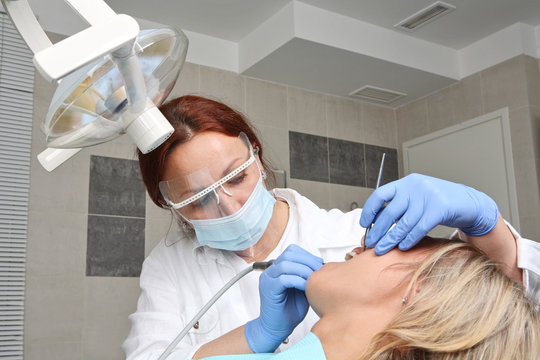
point(477, 153)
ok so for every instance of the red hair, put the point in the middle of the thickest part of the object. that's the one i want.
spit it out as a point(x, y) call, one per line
point(190, 115)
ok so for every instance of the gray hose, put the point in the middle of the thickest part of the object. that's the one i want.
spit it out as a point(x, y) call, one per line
point(255, 266)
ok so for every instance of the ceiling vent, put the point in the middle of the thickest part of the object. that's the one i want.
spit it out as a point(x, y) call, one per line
point(377, 94)
point(424, 16)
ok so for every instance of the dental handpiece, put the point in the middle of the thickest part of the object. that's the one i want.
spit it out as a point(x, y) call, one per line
point(261, 265)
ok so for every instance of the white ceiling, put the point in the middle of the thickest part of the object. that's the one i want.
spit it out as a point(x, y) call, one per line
point(234, 19)
point(336, 46)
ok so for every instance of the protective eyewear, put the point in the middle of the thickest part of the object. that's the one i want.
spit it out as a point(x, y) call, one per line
point(199, 195)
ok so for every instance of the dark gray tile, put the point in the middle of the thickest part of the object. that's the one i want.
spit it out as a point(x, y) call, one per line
point(347, 165)
point(308, 156)
point(116, 187)
point(373, 163)
point(115, 246)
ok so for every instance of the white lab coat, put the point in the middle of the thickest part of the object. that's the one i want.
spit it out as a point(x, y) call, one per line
point(176, 281)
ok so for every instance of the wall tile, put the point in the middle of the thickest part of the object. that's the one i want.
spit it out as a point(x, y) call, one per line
point(224, 86)
point(373, 163)
point(275, 143)
point(116, 187)
point(306, 111)
point(187, 82)
point(109, 303)
point(56, 243)
point(530, 226)
point(343, 118)
point(347, 166)
point(156, 228)
point(56, 351)
point(342, 196)
point(266, 103)
point(532, 74)
point(379, 125)
point(441, 109)
point(505, 85)
point(412, 121)
point(469, 103)
point(115, 246)
point(308, 156)
point(53, 309)
point(317, 192)
point(524, 161)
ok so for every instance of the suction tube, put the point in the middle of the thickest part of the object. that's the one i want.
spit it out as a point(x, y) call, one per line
point(255, 266)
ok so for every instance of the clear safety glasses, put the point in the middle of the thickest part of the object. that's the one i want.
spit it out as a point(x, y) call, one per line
point(217, 190)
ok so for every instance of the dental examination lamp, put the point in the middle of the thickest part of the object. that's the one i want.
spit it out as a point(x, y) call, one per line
point(110, 77)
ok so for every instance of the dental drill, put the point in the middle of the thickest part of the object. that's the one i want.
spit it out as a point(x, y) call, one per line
point(263, 265)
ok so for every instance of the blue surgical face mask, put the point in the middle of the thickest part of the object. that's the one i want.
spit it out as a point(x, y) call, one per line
point(241, 230)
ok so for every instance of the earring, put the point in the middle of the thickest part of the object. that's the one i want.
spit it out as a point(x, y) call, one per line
point(263, 174)
point(404, 300)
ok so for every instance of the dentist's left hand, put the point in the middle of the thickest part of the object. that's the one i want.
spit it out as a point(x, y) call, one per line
point(283, 301)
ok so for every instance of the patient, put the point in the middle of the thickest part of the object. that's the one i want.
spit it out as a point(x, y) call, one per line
point(440, 300)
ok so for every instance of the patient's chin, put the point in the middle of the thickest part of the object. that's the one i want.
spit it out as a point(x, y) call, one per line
point(317, 289)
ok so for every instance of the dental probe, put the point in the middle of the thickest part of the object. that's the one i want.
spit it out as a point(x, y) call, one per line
point(379, 177)
point(376, 187)
point(261, 265)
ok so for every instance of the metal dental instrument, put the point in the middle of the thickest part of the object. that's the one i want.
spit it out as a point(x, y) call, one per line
point(255, 266)
point(376, 187)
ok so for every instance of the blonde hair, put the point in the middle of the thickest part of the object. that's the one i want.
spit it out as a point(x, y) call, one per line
point(461, 307)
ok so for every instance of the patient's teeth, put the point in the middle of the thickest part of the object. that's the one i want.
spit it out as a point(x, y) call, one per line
point(350, 255)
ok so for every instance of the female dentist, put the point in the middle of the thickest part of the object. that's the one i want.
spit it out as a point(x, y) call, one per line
point(211, 175)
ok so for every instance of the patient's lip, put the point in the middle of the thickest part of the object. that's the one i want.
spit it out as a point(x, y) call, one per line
point(353, 253)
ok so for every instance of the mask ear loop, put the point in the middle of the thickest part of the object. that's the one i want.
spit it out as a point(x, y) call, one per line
point(182, 226)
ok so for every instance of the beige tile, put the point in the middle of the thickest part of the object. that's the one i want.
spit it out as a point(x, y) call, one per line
point(306, 111)
point(532, 74)
point(266, 103)
point(56, 351)
point(275, 143)
point(109, 302)
point(54, 308)
point(224, 86)
point(535, 119)
point(441, 109)
point(65, 188)
point(187, 82)
point(56, 243)
point(317, 192)
point(343, 196)
point(156, 229)
point(468, 98)
point(505, 85)
point(379, 125)
point(524, 161)
point(412, 121)
point(401, 171)
point(521, 132)
point(344, 119)
point(153, 211)
point(530, 226)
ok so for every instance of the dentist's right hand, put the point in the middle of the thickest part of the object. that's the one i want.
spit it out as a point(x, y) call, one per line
point(283, 301)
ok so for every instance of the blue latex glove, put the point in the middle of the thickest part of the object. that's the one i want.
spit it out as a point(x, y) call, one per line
point(420, 203)
point(283, 301)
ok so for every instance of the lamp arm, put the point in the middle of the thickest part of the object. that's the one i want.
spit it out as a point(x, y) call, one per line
point(26, 24)
point(93, 12)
